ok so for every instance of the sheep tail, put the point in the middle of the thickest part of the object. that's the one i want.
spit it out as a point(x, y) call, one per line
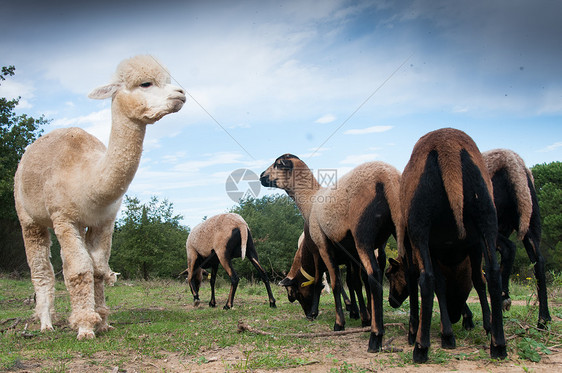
point(243, 240)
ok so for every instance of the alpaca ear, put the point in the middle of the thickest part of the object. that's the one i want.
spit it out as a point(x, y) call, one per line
point(105, 91)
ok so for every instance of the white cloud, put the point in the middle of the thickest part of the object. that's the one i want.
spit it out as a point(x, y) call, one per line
point(328, 118)
point(362, 131)
point(552, 147)
point(359, 158)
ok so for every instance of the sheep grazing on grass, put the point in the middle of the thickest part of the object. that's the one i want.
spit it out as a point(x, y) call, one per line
point(68, 181)
point(518, 210)
point(302, 286)
point(346, 223)
point(219, 239)
point(449, 215)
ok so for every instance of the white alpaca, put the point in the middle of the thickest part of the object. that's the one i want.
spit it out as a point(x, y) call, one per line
point(67, 180)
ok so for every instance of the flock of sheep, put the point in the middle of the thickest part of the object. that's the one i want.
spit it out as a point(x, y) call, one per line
point(450, 208)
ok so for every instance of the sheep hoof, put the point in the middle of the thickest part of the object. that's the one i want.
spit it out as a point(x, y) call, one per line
point(338, 328)
point(272, 304)
point(226, 307)
point(411, 338)
point(467, 323)
point(448, 341)
point(420, 354)
point(196, 302)
point(212, 304)
point(498, 352)
point(506, 304)
point(375, 342)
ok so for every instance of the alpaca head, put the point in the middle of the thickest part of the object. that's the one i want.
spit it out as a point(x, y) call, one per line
point(141, 90)
point(281, 174)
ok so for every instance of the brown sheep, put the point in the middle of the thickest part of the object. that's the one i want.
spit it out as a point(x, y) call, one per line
point(518, 210)
point(346, 223)
point(449, 215)
point(303, 287)
point(219, 239)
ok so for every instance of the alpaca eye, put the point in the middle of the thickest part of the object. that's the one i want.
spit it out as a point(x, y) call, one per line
point(146, 85)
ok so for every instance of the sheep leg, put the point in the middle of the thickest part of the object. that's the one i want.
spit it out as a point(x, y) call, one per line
point(427, 291)
point(78, 272)
point(226, 264)
point(214, 270)
point(467, 321)
point(532, 246)
point(335, 282)
point(193, 279)
point(374, 286)
point(354, 285)
point(363, 310)
point(447, 335)
point(507, 251)
point(98, 243)
point(37, 242)
point(480, 287)
point(253, 256)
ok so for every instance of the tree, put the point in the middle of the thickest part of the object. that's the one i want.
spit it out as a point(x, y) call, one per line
point(148, 240)
point(16, 133)
point(276, 224)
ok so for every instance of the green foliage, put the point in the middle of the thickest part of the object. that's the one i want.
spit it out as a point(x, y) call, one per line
point(148, 240)
point(16, 133)
point(276, 224)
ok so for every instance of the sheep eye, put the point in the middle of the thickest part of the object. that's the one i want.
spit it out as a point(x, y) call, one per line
point(146, 84)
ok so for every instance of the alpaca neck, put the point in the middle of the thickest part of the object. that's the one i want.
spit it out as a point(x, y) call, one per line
point(121, 160)
point(303, 191)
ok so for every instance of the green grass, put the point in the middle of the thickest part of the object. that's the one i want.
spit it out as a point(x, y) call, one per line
point(156, 319)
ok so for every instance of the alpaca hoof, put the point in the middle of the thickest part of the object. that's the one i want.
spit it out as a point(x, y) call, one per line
point(375, 343)
point(420, 354)
point(84, 334)
point(104, 328)
point(448, 342)
point(47, 328)
point(498, 352)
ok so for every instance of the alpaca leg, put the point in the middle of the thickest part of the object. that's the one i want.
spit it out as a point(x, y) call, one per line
point(98, 243)
point(79, 279)
point(37, 248)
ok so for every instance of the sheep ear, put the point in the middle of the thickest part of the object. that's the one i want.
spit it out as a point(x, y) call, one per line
point(285, 164)
point(105, 91)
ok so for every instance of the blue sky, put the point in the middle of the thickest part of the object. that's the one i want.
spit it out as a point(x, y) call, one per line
point(336, 83)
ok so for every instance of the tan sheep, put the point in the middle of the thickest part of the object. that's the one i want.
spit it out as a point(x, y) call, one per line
point(346, 223)
point(67, 180)
point(216, 240)
point(518, 210)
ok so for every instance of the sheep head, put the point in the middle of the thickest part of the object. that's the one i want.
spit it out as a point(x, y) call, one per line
point(142, 91)
point(301, 289)
point(396, 275)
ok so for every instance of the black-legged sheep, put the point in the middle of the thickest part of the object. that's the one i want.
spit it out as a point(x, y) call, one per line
point(345, 222)
point(518, 210)
point(449, 215)
point(219, 239)
point(301, 284)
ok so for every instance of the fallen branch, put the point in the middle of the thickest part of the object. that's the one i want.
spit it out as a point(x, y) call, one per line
point(243, 327)
point(16, 320)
